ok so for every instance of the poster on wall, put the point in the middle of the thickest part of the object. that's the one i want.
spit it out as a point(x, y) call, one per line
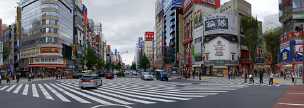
point(219, 49)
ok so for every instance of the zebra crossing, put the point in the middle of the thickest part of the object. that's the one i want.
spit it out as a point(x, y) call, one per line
point(117, 92)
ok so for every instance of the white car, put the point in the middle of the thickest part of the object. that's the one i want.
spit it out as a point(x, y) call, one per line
point(146, 76)
point(90, 81)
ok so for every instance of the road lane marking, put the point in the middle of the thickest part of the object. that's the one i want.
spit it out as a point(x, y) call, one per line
point(18, 89)
point(45, 93)
point(25, 90)
point(123, 97)
point(60, 96)
point(3, 88)
point(71, 95)
point(102, 96)
point(34, 90)
point(291, 104)
point(10, 88)
point(86, 95)
point(167, 93)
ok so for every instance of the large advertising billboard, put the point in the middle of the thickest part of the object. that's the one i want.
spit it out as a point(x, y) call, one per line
point(149, 36)
point(221, 24)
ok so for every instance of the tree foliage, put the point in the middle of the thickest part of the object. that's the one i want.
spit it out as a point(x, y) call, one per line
point(272, 40)
point(91, 58)
point(133, 66)
point(144, 63)
point(100, 64)
point(6, 52)
point(251, 31)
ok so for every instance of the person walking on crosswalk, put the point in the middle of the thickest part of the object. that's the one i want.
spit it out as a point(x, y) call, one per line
point(0, 79)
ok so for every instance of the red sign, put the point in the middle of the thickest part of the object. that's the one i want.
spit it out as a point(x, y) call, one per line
point(149, 36)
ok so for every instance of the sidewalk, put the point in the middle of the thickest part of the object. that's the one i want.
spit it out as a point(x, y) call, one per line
point(292, 98)
point(24, 80)
point(239, 80)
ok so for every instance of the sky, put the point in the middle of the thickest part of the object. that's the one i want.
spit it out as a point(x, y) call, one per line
point(126, 20)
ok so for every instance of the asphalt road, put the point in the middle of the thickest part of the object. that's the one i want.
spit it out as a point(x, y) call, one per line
point(237, 97)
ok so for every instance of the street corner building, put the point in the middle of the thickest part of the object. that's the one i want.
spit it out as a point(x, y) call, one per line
point(291, 47)
point(221, 43)
point(47, 34)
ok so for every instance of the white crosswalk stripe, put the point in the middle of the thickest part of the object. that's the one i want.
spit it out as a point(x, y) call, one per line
point(34, 91)
point(87, 96)
point(3, 88)
point(45, 93)
point(126, 98)
point(10, 88)
point(71, 95)
point(18, 89)
point(25, 90)
point(102, 96)
point(120, 91)
point(60, 96)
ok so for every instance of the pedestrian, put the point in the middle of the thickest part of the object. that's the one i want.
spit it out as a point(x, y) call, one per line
point(284, 75)
point(261, 76)
point(251, 79)
point(8, 79)
point(293, 77)
point(246, 77)
point(18, 77)
point(0, 79)
point(29, 77)
point(271, 79)
point(193, 74)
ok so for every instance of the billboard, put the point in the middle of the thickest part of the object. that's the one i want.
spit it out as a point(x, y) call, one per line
point(221, 24)
point(149, 36)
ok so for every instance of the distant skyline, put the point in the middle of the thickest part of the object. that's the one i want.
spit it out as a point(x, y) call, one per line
point(126, 20)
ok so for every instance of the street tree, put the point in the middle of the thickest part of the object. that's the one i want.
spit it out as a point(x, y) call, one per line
point(250, 28)
point(144, 62)
point(100, 64)
point(91, 58)
point(133, 66)
point(272, 41)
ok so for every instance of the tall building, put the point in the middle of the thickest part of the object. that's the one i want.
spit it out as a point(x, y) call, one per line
point(221, 43)
point(148, 46)
point(239, 8)
point(291, 47)
point(140, 45)
point(78, 34)
point(47, 34)
point(0, 27)
point(190, 8)
point(173, 19)
point(159, 34)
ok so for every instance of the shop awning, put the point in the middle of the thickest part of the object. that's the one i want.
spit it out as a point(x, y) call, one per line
point(47, 66)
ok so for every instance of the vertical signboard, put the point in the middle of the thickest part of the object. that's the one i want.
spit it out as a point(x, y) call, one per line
point(1, 53)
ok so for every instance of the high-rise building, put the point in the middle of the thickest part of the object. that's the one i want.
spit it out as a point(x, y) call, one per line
point(148, 46)
point(239, 9)
point(291, 47)
point(159, 34)
point(173, 19)
point(79, 40)
point(47, 34)
point(140, 45)
point(190, 8)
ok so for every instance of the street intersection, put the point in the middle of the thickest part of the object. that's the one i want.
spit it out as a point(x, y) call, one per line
point(117, 93)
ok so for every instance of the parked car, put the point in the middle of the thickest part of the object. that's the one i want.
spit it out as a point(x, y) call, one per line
point(146, 76)
point(90, 81)
point(109, 75)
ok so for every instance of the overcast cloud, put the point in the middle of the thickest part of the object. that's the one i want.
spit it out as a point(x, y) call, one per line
point(126, 20)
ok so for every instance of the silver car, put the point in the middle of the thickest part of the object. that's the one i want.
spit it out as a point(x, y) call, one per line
point(90, 81)
point(146, 76)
